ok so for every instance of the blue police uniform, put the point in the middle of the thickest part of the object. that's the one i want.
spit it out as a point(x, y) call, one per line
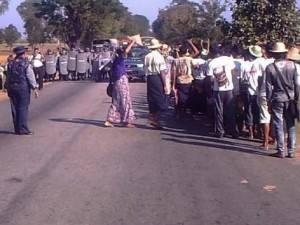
point(19, 84)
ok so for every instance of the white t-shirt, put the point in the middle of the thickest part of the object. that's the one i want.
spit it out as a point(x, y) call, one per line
point(265, 63)
point(199, 68)
point(36, 61)
point(218, 65)
point(253, 71)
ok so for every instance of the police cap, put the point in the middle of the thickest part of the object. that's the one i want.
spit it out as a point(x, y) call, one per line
point(20, 50)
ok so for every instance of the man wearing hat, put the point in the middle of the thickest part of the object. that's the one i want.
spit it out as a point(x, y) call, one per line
point(282, 92)
point(156, 73)
point(20, 82)
point(253, 72)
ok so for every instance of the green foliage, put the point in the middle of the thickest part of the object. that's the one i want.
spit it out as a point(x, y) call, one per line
point(136, 24)
point(11, 35)
point(80, 21)
point(35, 28)
point(1, 36)
point(257, 20)
point(185, 19)
point(3, 6)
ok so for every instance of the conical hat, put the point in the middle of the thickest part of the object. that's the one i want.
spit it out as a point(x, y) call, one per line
point(137, 39)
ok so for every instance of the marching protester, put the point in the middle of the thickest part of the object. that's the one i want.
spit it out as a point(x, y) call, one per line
point(253, 71)
point(264, 114)
point(121, 110)
point(282, 95)
point(238, 58)
point(157, 92)
point(20, 82)
point(182, 78)
point(37, 61)
point(220, 70)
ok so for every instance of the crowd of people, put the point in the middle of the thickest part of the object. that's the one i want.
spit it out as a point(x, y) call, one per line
point(250, 91)
point(73, 64)
point(247, 91)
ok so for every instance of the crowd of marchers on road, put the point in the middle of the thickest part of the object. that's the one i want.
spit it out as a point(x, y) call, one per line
point(248, 91)
point(251, 92)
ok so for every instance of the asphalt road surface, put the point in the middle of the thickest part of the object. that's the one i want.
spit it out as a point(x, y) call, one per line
point(74, 171)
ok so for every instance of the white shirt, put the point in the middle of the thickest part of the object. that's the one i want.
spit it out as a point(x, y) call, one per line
point(253, 71)
point(154, 63)
point(199, 68)
point(36, 61)
point(222, 63)
point(265, 63)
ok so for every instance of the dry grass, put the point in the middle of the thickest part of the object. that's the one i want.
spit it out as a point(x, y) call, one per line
point(5, 51)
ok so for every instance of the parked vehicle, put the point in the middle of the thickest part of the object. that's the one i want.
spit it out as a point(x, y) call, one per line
point(135, 64)
point(105, 43)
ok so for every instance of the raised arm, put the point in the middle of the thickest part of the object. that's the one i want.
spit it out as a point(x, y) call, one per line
point(195, 49)
point(128, 48)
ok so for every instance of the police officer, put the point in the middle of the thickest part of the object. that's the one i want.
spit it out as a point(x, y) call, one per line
point(95, 61)
point(63, 65)
point(81, 64)
point(72, 63)
point(20, 82)
point(89, 62)
point(50, 64)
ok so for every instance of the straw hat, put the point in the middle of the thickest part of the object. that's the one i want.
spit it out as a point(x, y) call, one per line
point(256, 51)
point(293, 54)
point(154, 44)
point(279, 47)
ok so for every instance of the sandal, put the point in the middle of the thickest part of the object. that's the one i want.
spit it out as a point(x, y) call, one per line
point(129, 125)
point(108, 124)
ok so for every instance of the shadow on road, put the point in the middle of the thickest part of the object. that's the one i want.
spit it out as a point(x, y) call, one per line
point(198, 131)
point(6, 132)
point(97, 123)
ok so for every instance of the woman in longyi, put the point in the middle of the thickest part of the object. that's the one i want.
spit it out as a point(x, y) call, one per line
point(121, 110)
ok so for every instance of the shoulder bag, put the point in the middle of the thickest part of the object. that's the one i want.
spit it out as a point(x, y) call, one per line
point(293, 106)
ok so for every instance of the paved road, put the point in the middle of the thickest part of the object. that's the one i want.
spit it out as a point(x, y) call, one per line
point(74, 171)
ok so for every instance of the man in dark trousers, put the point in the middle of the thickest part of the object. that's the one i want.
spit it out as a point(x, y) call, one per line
point(20, 82)
point(282, 91)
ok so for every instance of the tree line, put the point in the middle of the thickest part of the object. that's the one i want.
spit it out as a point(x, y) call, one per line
point(78, 22)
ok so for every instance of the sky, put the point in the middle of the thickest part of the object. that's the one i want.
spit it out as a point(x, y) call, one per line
point(148, 8)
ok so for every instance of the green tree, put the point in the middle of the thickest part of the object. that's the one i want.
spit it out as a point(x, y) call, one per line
point(80, 21)
point(35, 28)
point(3, 6)
point(175, 23)
point(211, 21)
point(255, 20)
point(11, 35)
point(1, 36)
point(136, 24)
point(184, 19)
